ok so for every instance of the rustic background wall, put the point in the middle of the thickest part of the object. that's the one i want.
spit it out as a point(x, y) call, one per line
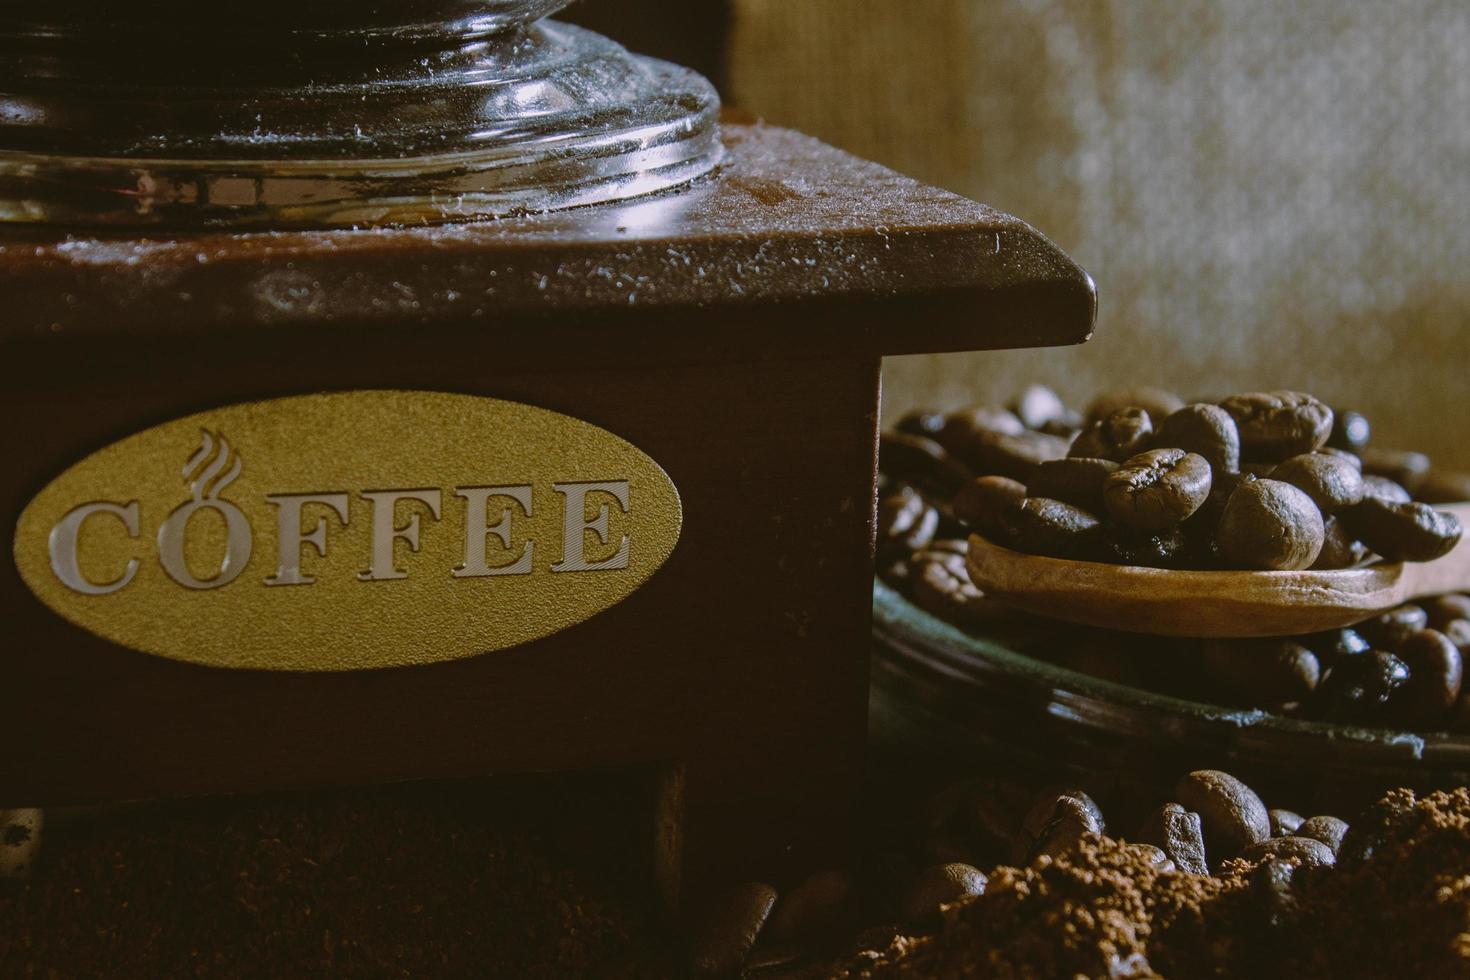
point(1268, 194)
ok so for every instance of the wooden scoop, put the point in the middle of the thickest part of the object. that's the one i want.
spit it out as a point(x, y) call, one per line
point(1205, 604)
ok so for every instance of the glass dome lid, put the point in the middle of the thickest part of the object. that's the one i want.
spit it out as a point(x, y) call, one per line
point(332, 113)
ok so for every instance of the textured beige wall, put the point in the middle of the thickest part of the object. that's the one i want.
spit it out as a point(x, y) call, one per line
point(1268, 194)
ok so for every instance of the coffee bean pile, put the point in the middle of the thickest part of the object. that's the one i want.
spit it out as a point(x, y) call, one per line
point(1263, 480)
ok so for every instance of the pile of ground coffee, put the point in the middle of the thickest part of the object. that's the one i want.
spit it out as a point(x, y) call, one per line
point(1398, 904)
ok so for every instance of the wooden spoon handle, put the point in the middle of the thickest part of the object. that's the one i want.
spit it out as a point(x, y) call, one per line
point(1448, 574)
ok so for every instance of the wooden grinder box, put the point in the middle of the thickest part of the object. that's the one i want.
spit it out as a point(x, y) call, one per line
point(589, 488)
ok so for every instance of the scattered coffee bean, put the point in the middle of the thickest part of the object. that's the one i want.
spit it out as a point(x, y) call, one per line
point(1265, 671)
point(1272, 884)
point(1350, 431)
point(1037, 406)
point(940, 584)
point(1330, 645)
point(1118, 436)
point(1389, 630)
point(1042, 526)
point(992, 441)
point(820, 904)
point(1383, 489)
point(1458, 630)
point(1169, 548)
point(981, 502)
point(1157, 402)
point(1408, 469)
point(1206, 430)
point(940, 885)
point(906, 523)
point(1357, 690)
point(1328, 830)
point(1156, 857)
point(1436, 671)
point(1157, 489)
point(1340, 548)
point(1268, 524)
point(1331, 482)
point(1179, 834)
point(1404, 532)
point(1351, 458)
point(1076, 480)
point(921, 461)
point(1284, 823)
point(1062, 801)
point(1311, 853)
point(1232, 814)
point(723, 936)
point(1443, 609)
point(1443, 487)
point(1276, 425)
point(921, 423)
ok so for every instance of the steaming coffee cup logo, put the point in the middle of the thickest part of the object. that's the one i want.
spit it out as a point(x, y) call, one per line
point(397, 528)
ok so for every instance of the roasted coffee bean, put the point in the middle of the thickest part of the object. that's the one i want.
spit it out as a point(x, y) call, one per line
point(1206, 430)
point(1258, 470)
point(1352, 459)
point(1328, 830)
point(965, 423)
point(939, 885)
point(1072, 818)
point(1443, 487)
point(1157, 402)
point(1042, 526)
point(724, 934)
point(1340, 549)
point(1371, 830)
point(1169, 548)
point(1311, 853)
point(1276, 425)
point(1389, 630)
point(1268, 524)
point(1383, 489)
point(1350, 431)
point(1037, 405)
point(1404, 532)
point(1157, 489)
point(981, 502)
point(1358, 689)
point(822, 903)
point(906, 523)
point(922, 461)
point(1272, 885)
point(1458, 630)
point(990, 445)
point(1332, 483)
point(1408, 469)
point(1156, 857)
point(1443, 609)
point(940, 584)
point(921, 423)
point(1262, 672)
point(1076, 480)
point(1232, 814)
point(1062, 801)
point(1124, 433)
point(1436, 671)
point(1332, 644)
point(1179, 833)
point(995, 809)
point(1284, 823)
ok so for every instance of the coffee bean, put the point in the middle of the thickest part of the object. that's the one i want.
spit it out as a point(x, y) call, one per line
point(1118, 436)
point(1383, 489)
point(1169, 548)
point(1404, 532)
point(921, 423)
point(921, 461)
point(1350, 431)
point(991, 446)
point(820, 904)
point(1332, 483)
point(940, 583)
point(1276, 425)
point(1358, 689)
point(1157, 489)
point(1443, 609)
point(1436, 671)
point(1157, 402)
point(1042, 526)
point(1076, 480)
point(20, 841)
point(723, 936)
point(1257, 469)
point(1263, 672)
point(1311, 853)
point(1179, 833)
point(1055, 801)
point(1328, 830)
point(906, 523)
point(1232, 814)
point(1340, 549)
point(1443, 487)
point(1038, 405)
point(1332, 644)
point(1273, 886)
point(995, 809)
point(1351, 458)
point(1155, 856)
point(1389, 630)
point(1284, 823)
point(1408, 469)
point(1072, 818)
point(1458, 630)
point(1268, 524)
point(981, 502)
point(937, 885)
point(1208, 431)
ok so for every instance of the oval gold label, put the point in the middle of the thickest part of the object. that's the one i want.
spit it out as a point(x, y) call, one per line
point(348, 531)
